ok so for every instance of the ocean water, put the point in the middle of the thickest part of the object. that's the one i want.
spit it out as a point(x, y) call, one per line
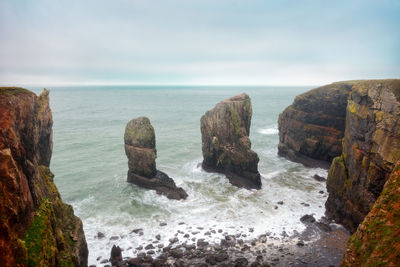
point(90, 166)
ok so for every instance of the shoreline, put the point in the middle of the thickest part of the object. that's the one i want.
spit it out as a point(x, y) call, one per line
point(322, 243)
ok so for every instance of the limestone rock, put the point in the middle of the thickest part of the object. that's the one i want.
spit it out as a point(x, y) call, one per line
point(36, 228)
point(371, 148)
point(312, 128)
point(140, 148)
point(226, 145)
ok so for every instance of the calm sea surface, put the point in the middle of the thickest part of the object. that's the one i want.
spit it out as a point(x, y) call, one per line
point(90, 165)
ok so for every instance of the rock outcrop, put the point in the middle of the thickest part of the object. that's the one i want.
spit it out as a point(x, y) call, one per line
point(312, 128)
point(226, 145)
point(140, 148)
point(36, 227)
point(371, 148)
point(377, 239)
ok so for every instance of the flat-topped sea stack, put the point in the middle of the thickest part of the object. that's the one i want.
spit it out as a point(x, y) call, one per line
point(140, 148)
point(226, 145)
point(312, 128)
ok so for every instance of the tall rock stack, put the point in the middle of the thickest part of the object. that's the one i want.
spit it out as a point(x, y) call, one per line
point(140, 148)
point(36, 227)
point(226, 145)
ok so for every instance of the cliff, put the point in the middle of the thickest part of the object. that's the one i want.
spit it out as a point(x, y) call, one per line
point(226, 145)
point(377, 240)
point(36, 227)
point(312, 128)
point(371, 148)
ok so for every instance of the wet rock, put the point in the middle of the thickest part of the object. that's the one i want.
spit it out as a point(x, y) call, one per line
point(139, 248)
point(251, 229)
point(201, 242)
point(103, 261)
point(300, 243)
point(321, 192)
point(158, 237)
point(160, 245)
point(100, 235)
point(306, 219)
point(221, 256)
point(114, 237)
point(140, 149)
point(241, 262)
point(176, 252)
point(225, 142)
point(186, 235)
point(280, 203)
point(305, 204)
point(180, 223)
point(163, 224)
point(150, 252)
point(319, 178)
point(116, 255)
point(210, 259)
point(167, 248)
point(173, 240)
point(149, 246)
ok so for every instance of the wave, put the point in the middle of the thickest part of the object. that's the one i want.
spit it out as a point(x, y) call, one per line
point(268, 131)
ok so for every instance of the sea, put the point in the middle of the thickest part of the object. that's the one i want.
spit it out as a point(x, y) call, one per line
point(90, 167)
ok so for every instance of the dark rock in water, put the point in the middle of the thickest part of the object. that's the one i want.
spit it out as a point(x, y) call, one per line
point(225, 142)
point(140, 148)
point(116, 255)
point(149, 246)
point(319, 178)
point(100, 235)
point(300, 243)
point(176, 253)
point(136, 231)
point(163, 224)
point(307, 219)
point(321, 192)
point(158, 237)
point(280, 203)
point(114, 237)
point(312, 128)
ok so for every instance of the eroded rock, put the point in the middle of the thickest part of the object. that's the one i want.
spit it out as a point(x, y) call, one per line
point(226, 145)
point(140, 148)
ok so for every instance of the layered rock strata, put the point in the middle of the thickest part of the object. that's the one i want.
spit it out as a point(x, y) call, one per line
point(226, 145)
point(140, 148)
point(36, 227)
point(312, 128)
point(377, 239)
point(371, 148)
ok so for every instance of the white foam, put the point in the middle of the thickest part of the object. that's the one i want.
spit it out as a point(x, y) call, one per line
point(268, 131)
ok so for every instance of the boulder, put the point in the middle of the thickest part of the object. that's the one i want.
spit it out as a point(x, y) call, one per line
point(140, 148)
point(226, 145)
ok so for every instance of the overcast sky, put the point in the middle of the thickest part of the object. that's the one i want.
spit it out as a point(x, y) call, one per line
point(232, 42)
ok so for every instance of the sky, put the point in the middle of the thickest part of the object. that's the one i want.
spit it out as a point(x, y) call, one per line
point(197, 42)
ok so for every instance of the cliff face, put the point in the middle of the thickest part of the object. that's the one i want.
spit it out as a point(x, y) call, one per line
point(312, 128)
point(377, 240)
point(36, 227)
point(371, 148)
point(225, 142)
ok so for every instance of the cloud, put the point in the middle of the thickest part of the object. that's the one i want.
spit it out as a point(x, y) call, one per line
point(197, 41)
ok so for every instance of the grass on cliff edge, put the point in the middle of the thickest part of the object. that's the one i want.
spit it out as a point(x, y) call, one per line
point(14, 91)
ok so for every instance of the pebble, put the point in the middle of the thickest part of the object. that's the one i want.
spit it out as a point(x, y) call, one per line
point(163, 224)
point(100, 235)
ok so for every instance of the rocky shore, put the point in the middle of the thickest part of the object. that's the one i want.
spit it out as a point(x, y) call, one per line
point(320, 244)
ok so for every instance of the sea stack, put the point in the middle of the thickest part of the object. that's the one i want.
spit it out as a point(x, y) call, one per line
point(140, 148)
point(226, 145)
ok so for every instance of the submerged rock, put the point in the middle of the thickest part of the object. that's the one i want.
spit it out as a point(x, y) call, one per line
point(140, 148)
point(226, 145)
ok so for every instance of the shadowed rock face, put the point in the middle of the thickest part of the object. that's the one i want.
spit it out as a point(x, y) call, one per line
point(226, 145)
point(36, 227)
point(140, 148)
point(371, 148)
point(312, 128)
